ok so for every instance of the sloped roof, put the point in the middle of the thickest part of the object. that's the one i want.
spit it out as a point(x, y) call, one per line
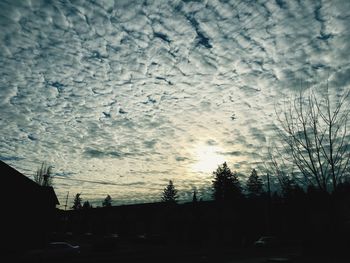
point(49, 191)
point(12, 180)
point(10, 176)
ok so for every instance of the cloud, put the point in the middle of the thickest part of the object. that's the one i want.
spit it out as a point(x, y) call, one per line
point(181, 158)
point(64, 174)
point(105, 153)
point(10, 158)
point(150, 144)
point(211, 142)
point(234, 153)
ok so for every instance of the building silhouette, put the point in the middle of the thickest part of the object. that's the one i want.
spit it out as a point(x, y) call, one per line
point(28, 210)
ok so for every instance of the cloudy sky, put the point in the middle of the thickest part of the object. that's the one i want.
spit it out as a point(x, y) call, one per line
point(121, 96)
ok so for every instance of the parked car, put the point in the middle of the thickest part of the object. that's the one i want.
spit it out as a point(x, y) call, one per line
point(267, 242)
point(59, 250)
point(53, 251)
point(278, 260)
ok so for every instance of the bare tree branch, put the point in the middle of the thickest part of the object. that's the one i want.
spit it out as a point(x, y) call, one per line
point(315, 137)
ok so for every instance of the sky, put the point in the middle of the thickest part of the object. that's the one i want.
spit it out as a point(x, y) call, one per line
point(122, 96)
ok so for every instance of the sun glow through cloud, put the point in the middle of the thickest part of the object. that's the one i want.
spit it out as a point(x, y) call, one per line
point(207, 158)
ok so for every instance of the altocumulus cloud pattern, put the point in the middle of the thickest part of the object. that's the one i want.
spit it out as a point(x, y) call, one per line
point(124, 91)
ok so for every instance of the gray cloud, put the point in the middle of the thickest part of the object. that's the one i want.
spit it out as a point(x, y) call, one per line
point(10, 158)
point(180, 158)
point(234, 153)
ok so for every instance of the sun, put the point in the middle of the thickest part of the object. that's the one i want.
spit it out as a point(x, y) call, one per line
point(207, 157)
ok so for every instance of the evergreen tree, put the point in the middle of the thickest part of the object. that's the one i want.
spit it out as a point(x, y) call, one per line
point(87, 205)
point(170, 193)
point(194, 197)
point(107, 202)
point(226, 186)
point(254, 185)
point(77, 202)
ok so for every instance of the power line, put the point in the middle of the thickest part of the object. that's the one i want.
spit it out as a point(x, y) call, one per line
point(87, 181)
point(132, 184)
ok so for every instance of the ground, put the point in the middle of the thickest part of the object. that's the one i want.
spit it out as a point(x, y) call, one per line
point(177, 253)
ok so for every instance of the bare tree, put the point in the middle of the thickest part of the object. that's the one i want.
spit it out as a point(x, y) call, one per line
point(43, 175)
point(315, 138)
point(276, 164)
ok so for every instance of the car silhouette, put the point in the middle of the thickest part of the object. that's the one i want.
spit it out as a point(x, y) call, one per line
point(53, 251)
point(266, 242)
point(59, 250)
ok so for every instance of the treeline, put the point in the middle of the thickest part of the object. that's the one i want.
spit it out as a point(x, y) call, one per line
point(226, 186)
point(239, 213)
point(79, 204)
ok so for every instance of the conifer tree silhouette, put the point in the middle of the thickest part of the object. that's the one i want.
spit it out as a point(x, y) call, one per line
point(77, 202)
point(194, 197)
point(226, 186)
point(107, 202)
point(170, 193)
point(254, 185)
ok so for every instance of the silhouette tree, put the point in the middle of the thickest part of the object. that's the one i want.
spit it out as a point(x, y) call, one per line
point(314, 134)
point(194, 197)
point(77, 202)
point(107, 202)
point(254, 185)
point(289, 187)
point(43, 175)
point(87, 205)
point(170, 193)
point(226, 186)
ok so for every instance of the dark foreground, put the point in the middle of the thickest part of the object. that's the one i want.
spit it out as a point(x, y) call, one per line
point(130, 253)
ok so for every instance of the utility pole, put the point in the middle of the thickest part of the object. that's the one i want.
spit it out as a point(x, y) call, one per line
point(268, 186)
point(268, 219)
point(65, 206)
